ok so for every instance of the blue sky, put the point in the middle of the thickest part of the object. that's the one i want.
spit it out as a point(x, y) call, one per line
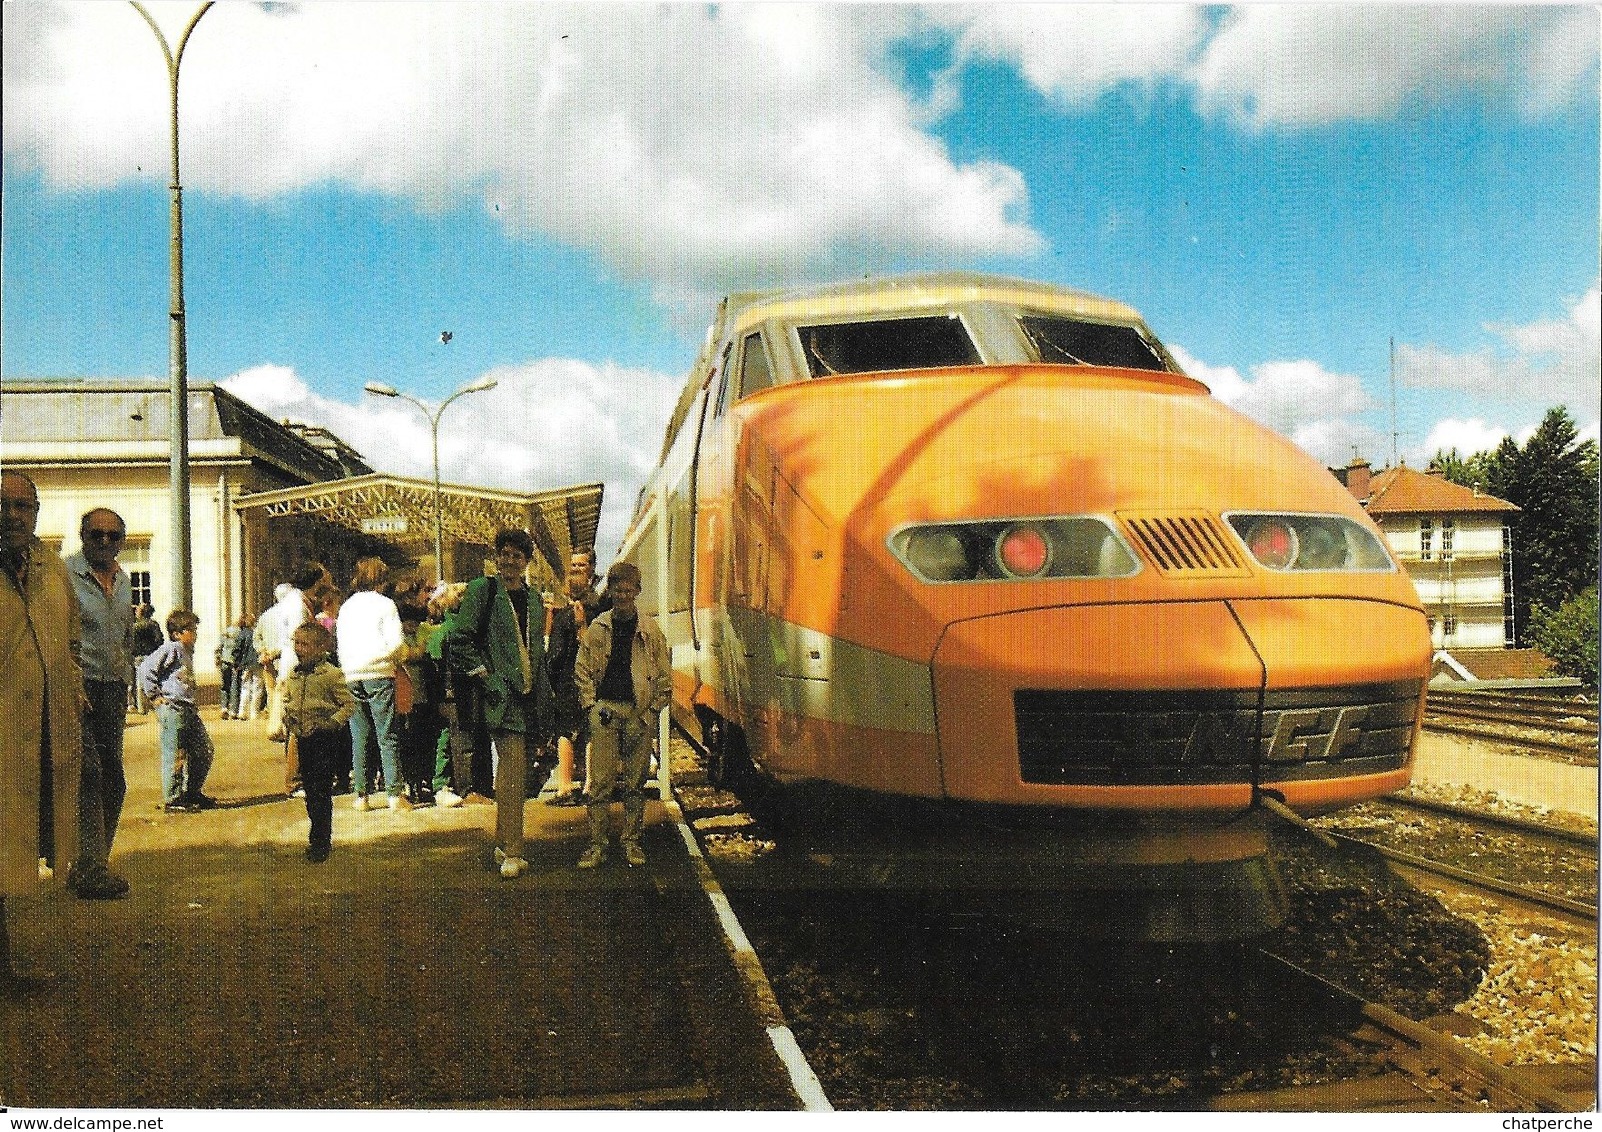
point(1281, 190)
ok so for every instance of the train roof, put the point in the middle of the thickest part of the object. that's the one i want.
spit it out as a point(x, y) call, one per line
point(901, 292)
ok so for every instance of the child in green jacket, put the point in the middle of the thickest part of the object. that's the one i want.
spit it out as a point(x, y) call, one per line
point(317, 705)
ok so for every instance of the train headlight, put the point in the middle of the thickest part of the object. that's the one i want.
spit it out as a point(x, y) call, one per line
point(1014, 550)
point(1023, 552)
point(1310, 542)
point(1273, 543)
point(936, 553)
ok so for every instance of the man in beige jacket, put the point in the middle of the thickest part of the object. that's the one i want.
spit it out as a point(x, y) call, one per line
point(41, 752)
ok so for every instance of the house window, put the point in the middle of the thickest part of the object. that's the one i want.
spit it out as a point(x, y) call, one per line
point(1508, 628)
point(1430, 621)
point(1448, 532)
point(1449, 625)
point(1426, 537)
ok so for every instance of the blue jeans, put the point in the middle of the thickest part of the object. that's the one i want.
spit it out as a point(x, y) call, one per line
point(185, 753)
point(103, 786)
point(375, 715)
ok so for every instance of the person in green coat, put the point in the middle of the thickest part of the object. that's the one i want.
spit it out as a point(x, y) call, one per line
point(498, 642)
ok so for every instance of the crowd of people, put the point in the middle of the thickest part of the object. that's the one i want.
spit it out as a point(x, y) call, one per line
point(467, 693)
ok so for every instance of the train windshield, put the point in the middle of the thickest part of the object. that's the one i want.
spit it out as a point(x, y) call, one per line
point(887, 344)
point(1065, 340)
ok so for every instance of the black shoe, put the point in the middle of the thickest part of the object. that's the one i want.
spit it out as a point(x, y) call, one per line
point(568, 798)
point(176, 807)
point(317, 854)
point(96, 882)
point(14, 985)
point(201, 802)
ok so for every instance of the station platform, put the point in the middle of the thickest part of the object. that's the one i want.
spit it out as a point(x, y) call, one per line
point(1452, 760)
point(402, 973)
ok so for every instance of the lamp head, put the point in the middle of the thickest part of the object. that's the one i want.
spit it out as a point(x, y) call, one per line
point(380, 389)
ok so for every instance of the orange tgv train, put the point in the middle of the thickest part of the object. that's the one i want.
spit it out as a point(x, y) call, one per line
point(979, 545)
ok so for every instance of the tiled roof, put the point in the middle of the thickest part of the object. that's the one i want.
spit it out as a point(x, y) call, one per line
point(1403, 491)
point(1503, 664)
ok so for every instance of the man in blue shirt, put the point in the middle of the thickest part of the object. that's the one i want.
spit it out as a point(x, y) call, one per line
point(105, 595)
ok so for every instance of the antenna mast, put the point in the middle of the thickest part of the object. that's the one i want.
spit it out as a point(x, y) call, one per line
point(1393, 401)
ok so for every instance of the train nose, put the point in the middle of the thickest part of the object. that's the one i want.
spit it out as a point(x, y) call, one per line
point(1177, 706)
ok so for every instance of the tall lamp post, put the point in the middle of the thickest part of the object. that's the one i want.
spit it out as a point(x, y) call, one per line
point(379, 389)
point(178, 348)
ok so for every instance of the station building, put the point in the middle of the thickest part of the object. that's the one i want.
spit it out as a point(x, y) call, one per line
point(264, 495)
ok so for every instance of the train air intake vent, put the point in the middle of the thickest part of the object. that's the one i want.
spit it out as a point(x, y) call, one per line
point(1190, 738)
point(1192, 545)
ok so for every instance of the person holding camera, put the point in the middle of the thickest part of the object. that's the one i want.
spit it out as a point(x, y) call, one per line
point(625, 677)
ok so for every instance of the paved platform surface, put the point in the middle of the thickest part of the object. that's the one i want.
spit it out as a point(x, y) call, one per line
point(1486, 766)
point(401, 973)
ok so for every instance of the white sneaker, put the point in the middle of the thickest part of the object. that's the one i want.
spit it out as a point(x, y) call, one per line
point(500, 855)
point(513, 867)
point(447, 798)
point(360, 802)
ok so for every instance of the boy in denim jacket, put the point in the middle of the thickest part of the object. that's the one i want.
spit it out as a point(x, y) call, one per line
point(317, 705)
point(167, 679)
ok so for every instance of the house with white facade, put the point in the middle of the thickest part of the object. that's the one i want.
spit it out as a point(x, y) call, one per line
point(1454, 542)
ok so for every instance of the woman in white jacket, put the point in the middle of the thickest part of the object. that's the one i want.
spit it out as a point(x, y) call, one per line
point(370, 645)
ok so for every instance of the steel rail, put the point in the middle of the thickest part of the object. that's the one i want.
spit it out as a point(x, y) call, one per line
point(1559, 904)
point(1520, 825)
point(1537, 1096)
point(1510, 740)
point(1513, 717)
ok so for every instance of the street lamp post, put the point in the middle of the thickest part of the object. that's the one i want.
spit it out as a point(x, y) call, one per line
point(379, 389)
point(178, 347)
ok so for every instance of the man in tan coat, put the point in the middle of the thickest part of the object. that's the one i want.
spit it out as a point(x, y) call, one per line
point(40, 689)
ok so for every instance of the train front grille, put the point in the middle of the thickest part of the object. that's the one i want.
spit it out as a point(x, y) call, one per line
point(1118, 738)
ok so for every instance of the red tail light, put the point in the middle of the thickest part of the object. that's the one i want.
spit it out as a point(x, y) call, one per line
point(1272, 543)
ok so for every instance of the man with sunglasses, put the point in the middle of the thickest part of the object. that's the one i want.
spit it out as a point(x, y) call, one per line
point(105, 597)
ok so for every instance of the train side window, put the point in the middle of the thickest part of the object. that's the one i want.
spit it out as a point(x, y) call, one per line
point(724, 384)
point(887, 344)
point(756, 373)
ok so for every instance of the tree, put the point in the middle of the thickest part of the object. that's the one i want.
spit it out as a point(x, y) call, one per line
point(1553, 478)
point(1568, 634)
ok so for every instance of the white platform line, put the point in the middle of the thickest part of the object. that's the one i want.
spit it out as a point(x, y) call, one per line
point(803, 1081)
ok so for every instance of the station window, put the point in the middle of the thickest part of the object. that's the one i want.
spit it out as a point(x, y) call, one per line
point(135, 559)
point(1426, 539)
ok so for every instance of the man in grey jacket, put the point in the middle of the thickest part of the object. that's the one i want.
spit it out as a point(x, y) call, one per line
point(105, 597)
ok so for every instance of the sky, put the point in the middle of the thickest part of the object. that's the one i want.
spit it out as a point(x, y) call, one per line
point(1283, 191)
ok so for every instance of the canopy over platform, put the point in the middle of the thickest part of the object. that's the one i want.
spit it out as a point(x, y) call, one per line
point(400, 510)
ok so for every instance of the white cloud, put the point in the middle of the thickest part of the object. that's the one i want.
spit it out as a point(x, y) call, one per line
point(1300, 399)
point(701, 148)
point(1075, 52)
point(547, 424)
point(1542, 363)
point(1298, 65)
point(1467, 437)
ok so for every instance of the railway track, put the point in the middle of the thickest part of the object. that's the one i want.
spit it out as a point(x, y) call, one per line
point(1566, 727)
point(953, 1012)
point(1427, 1070)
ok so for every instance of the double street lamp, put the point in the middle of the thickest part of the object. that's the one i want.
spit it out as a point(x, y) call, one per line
point(379, 389)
